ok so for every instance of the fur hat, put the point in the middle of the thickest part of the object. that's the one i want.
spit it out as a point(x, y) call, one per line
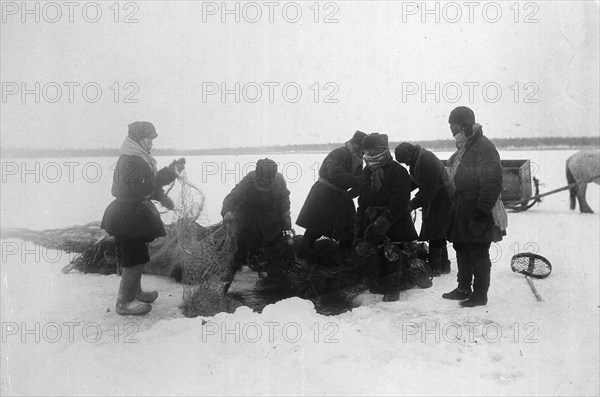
point(375, 141)
point(358, 137)
point(404, 152)
point(462, 115)
point(266, 169)
point(141, 129)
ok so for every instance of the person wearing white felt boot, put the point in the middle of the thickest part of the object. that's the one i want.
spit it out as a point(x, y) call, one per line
point(132, 218)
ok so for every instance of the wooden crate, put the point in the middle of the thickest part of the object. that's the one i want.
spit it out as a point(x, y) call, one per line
point(516, 179)
point(516, 184)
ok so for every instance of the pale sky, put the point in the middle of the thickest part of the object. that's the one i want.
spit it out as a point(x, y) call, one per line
point(365, 70)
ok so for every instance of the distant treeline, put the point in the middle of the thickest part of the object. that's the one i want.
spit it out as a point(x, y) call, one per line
point(439, 144)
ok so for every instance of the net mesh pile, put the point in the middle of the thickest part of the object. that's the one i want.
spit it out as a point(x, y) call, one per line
point(100, 257)
point(208, 269)
point(333, 273)
point(329, 272)
point(206, 256)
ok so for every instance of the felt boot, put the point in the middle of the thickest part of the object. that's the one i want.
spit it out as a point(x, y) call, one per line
point(145, 296)
point(126, 302)
point(445, 260)
point(435, 261)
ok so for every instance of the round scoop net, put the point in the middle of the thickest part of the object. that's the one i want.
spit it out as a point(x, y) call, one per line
point(531, 265)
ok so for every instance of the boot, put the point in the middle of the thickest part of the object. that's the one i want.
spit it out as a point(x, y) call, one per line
point(394, 279)
point(481, 272)
point(464, 275)
point(126, 302)
point(477, 299)
point(392, 296)
point(435, 261)
point(445, 260)
point(457, 294)
point(145, 296)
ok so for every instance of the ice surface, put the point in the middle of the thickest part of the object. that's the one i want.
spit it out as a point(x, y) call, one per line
point(421, 344)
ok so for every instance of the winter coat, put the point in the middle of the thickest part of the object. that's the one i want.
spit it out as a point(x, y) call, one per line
point(428, 173)
point(260, 214)
point(394, 196)
point(329, 209)
point(133, 214)
point(478, 185)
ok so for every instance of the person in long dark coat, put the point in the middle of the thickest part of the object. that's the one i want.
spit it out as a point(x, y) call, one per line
point(429, 175)
point(383, 209)
point(132, 217)
point(329, 209)
point(477, 175)
point(260, 207)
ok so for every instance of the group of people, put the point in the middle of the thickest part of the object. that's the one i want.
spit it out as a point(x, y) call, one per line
point(461, 206)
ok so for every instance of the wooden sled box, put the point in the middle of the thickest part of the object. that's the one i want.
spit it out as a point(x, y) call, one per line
point(516, 175)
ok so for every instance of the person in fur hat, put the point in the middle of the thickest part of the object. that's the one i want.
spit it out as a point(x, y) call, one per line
point(329, 207)
point(260, 207)
point(132, 218)
point(429, 175)
point(476, 173)
point(383, 209)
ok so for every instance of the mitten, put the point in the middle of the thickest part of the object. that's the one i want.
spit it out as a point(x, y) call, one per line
point(165, 176)
point(178, 165)
point(166, 202)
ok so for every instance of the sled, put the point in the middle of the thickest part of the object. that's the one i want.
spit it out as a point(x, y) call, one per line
point(516, 184)
point(528, 202)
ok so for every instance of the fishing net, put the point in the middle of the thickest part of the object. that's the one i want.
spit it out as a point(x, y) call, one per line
point(531, 265)
point(334, 273)
point(206, 256)
point(74, 239)
point(207, 272)
point(330, 271)
point(419, 271)
point(100, 257)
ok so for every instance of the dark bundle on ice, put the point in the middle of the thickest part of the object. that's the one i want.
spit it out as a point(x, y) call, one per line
point(166, 255)
point(334, 273)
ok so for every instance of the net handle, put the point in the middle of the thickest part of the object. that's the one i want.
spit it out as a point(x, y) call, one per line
point(533, 289)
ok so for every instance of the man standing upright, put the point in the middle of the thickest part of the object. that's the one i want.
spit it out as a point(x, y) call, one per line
point(475, 220)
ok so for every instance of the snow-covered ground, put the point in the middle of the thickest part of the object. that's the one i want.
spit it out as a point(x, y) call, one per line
point(61, 336)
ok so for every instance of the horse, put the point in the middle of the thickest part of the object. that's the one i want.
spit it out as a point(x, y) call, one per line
point(582, 166)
